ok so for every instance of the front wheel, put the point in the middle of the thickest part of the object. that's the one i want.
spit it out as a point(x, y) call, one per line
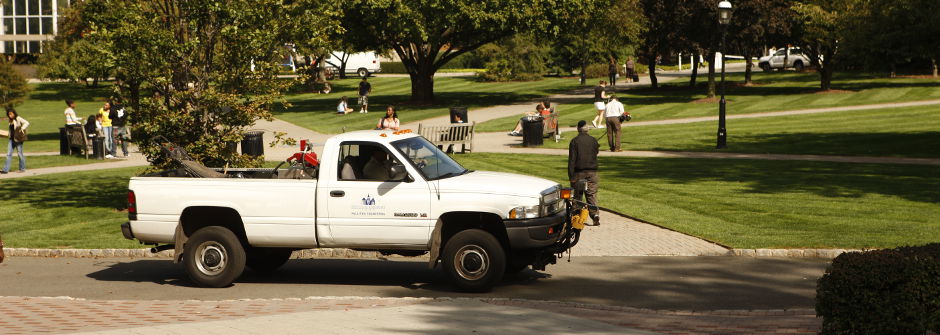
point(362, 72)
point(214, 257)
point(474, 260)
point(765, 67)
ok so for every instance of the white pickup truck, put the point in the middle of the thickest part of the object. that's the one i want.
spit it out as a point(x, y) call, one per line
point(392, 192)
point(784, 59)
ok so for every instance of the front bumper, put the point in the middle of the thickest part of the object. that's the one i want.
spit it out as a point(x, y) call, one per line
point(535, 233)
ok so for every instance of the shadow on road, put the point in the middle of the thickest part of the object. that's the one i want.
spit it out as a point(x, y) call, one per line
point(698, 283)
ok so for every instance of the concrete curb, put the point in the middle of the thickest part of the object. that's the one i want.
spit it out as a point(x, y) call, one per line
point(356, 254)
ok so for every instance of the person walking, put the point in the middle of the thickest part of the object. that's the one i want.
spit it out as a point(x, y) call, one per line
point(631, 69)
point(600, 103)
point(612, 72)
point(118, 116)
point(364, 90)
point(17, 136)
point(613, 112)
point(582, 168)
point(106, 128)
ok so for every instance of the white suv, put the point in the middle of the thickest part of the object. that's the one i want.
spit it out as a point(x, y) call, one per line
point(795, 60)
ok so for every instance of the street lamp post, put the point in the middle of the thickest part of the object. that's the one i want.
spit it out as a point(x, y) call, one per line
point(724, 17)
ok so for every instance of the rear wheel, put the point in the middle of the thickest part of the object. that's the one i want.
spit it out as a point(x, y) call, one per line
point(474, 260)
point(362, 72)
point(798, 66)
point(267, 259)
point(214, 257)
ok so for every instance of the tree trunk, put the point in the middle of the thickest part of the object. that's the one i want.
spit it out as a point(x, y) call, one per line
point(825, 77)
point(583, 72)
point(654, 83)
point(894, 71)
point(747, 69)
point(695, 64)
point(933, 60)
point(711, 74)
point(422, 84)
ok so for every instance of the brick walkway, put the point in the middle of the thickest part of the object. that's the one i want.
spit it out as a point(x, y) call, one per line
point(22, 315)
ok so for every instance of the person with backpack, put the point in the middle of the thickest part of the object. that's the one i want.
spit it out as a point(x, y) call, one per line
point(17, 136)
point(121, 134)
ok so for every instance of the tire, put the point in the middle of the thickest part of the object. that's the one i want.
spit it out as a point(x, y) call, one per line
point(214, 257)
point(766, 67)
point(474, 260)
point(267, 259)
point(798, 66)
point(362, 72)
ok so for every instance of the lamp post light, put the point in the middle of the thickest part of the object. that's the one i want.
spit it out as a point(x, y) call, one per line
point(724, 17)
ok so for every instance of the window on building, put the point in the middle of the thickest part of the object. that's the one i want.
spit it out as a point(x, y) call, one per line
point(19, 7)
point(7, 7)
point(46, 8)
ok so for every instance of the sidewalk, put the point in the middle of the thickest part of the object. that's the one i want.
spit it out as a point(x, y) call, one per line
point(375, 315)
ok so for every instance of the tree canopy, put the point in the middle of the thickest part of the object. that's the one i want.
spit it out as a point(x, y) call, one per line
point(13, 87)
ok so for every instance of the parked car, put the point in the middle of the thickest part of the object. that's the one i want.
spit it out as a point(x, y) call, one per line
point(784, 59)
point(362, 63)
point(372, 190)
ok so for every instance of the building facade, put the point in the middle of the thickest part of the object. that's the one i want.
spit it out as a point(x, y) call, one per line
point(25, 24)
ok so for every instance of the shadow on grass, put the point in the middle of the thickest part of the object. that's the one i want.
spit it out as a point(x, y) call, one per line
point(835, 180)
point(91, 190)
point(74, 91)
point(887, 144)
point(659, 282)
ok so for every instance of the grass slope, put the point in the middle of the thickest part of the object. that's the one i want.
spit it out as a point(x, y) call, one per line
point(760, 204)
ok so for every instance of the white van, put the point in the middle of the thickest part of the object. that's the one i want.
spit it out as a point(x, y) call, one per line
point(362, 63)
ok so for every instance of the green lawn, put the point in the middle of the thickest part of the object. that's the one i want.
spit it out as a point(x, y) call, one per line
point(740, 203)
point(894, 132)
point(35, 162)
point(771, 92)
point(67, 210)
point(43, 109)
point(760, 204)
point(318, 111)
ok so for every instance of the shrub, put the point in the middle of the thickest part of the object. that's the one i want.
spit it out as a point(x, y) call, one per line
point(393, 67)
point(596, 71)
point(894, 291)
point(13, 88)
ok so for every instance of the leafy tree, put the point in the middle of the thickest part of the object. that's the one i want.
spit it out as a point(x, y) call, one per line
point(426, 34)
point(883, 33)
point(758, 23)
point(822, 26)
point(13, 87)
point(73, 56)
point(199, 72)
point(518, 57)
point(601, 30)
point(664, 33)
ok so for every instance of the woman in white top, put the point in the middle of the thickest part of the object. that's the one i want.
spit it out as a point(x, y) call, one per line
point(17, 125)
point(343, 107)
point(390, 121)
point(70, 117)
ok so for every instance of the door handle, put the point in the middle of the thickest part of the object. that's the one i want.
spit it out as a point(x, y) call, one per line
point(337, 194)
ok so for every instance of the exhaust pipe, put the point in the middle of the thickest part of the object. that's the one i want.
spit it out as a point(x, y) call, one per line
point(160, 248)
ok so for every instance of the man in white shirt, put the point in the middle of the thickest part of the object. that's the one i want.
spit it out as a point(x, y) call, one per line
point(612, 113)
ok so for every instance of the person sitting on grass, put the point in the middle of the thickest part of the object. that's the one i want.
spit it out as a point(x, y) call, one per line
point(343, 107)
point(539, 110)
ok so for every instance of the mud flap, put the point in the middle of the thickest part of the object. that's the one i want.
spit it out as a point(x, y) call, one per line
point(179, 238)
point(435, 245)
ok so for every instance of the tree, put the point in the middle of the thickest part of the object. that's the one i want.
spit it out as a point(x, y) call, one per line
point(587, 36)
point(518, 57)
point(73, 56)
point(13, 87)
point(426, 34)
point(663, 34)
point(198, 72)
point(881, 34)
point(822, 26)
point(757, 23)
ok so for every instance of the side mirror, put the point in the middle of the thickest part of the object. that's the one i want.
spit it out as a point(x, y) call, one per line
point(397, 172)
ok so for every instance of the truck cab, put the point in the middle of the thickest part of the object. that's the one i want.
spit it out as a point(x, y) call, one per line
point(388, 191)
point(784, 59)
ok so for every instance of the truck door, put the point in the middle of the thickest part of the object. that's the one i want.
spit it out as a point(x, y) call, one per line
point(365, 207)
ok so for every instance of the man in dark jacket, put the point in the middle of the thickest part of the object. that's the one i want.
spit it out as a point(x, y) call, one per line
point(582, 168)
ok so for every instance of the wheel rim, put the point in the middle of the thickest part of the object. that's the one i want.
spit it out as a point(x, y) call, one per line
point(211, 258)
point(471, 262)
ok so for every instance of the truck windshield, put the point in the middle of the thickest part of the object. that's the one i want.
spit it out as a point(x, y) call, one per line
point(432, 162)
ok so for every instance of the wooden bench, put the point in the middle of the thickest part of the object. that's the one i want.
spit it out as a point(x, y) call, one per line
point(452, 134)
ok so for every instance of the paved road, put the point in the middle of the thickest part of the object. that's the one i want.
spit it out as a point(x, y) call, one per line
point(673, 283)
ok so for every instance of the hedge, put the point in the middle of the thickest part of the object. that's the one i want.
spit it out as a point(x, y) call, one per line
point(891, 291)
